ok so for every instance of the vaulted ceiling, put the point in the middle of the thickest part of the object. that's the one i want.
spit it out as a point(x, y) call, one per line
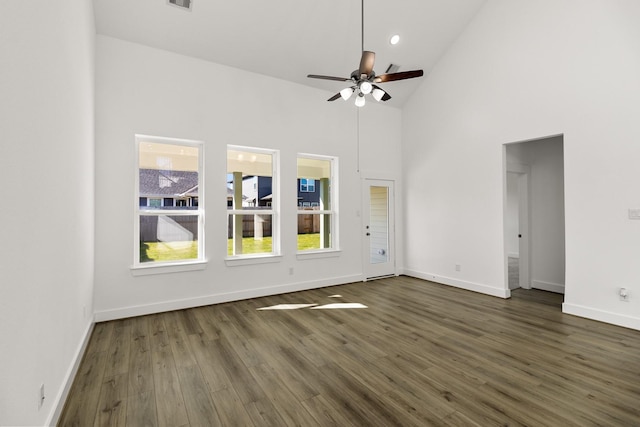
point(289, 39)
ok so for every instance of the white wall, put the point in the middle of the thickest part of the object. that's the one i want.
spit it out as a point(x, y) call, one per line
point(148, 91)
point(47, 211)
point(520, 71)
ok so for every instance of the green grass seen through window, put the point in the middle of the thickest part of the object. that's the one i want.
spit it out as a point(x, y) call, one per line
point(178, 251)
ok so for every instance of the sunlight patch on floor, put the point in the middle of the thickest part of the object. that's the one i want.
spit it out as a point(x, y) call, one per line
point(340, 305)
point(287, 307)
point(336, 305)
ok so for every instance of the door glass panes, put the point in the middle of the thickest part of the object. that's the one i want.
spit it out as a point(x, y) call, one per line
point(379, 225)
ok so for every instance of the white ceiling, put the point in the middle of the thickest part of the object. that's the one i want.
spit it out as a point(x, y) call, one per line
point(289, 39)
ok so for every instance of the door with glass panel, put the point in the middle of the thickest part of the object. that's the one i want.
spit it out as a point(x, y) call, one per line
point(378, 229)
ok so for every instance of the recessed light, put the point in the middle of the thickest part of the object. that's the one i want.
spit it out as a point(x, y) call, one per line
point(394, 39)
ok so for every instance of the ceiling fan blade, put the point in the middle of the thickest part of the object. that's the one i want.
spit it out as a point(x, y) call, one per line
point(398, 76)
point(366, 62)
point(338, 79)
point(334, 97)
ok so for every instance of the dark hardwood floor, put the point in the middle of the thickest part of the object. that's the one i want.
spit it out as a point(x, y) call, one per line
point(419, 354)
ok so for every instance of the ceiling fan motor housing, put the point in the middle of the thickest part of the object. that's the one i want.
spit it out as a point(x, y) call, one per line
point(357, 77)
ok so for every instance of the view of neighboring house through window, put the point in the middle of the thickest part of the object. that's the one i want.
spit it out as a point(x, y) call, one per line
point(168, 216)
point(307, 185)
point(317, 207)
point(252, 201)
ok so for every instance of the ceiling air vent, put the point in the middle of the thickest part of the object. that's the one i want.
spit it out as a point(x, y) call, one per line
point(182, 4)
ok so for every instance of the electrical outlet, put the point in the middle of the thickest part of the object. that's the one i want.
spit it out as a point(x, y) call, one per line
point(458, 267)
point(41, 396)
point(290, 270)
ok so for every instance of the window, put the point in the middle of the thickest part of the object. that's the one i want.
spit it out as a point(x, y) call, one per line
point(154, 202)
point(169, 222)
point(317, 210)
point(307, 185)
point(252, 202)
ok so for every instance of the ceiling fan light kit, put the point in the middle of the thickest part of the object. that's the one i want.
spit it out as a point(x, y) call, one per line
point(364, 77)
point(346, 93)
point(366, 87)
point(377, 94)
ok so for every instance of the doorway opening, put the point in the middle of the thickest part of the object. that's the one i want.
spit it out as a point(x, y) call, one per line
point(534, 234)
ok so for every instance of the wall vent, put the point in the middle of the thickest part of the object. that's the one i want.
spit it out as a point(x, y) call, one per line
point(182, 4)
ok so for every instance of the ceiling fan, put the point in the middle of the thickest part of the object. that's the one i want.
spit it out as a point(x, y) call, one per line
point(364, 79)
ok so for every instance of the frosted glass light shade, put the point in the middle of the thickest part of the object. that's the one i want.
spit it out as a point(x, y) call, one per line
point(365, 87)
point(346, 93)
point(377, 94)
point(360, 101)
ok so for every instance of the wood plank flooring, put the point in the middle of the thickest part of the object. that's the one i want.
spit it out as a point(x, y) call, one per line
point(420, 354)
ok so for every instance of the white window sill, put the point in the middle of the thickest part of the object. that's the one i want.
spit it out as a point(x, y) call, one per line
point(252, 259)
point(149, 269)
point(328, 253)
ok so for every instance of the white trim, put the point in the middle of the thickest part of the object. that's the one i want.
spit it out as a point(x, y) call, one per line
point(547, 286)
point(61, 398)
point(317, 254)
point(250, 259)
point(141, 310)
point(250, 211)
point(602, 316)
point(470, 286)
point(150, 268)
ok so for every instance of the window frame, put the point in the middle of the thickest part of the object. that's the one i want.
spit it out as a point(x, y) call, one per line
point(272, 208)
point(144, 268)
point(333, 211)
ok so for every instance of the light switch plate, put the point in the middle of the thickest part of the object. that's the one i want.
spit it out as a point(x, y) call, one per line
point(634, 213)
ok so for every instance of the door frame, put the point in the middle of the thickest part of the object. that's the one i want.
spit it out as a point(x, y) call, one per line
point(393, 258)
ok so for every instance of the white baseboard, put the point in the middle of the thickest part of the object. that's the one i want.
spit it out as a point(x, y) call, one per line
point(61, 398)
point(602, 316)
point(141, 310)
point(470, 286)
point(547, 286)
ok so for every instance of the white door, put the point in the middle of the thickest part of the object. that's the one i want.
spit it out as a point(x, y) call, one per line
point(518, 176)
point(379, 226)
point(524, 231)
